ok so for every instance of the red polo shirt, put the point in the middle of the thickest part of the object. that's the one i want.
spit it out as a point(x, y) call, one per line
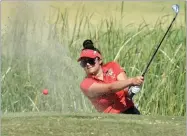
point(113, 102)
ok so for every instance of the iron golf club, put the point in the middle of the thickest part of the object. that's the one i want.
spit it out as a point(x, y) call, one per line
point(135, 89)
point(176, 10)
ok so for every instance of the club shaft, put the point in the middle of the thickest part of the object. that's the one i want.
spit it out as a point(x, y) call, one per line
point(158, 47)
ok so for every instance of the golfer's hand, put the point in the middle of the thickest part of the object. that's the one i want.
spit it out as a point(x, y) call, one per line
point(134, 89)
point(136, 86)
point(137, 81)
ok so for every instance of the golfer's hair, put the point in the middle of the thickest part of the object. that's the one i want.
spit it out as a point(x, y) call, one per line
point(88, 44)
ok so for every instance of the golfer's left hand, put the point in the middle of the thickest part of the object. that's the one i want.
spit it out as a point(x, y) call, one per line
point(135, 89)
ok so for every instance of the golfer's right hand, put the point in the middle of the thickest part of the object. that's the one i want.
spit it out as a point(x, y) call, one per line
point(137, 81)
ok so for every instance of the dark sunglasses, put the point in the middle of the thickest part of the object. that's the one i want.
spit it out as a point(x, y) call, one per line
point(84, 62)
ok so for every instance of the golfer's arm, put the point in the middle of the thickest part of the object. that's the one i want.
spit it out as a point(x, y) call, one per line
point(98, 89)
point(122, 76)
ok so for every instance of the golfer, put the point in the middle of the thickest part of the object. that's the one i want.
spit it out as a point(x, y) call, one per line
point(106, 85)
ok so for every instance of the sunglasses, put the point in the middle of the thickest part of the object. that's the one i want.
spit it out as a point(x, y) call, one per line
point(84, 62)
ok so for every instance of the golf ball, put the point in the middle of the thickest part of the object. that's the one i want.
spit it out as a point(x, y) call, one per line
point(45, 91)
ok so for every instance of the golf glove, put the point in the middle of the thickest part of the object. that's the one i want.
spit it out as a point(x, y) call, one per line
point(133, 90)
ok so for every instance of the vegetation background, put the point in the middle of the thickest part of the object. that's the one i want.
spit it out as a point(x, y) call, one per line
point(42, 40)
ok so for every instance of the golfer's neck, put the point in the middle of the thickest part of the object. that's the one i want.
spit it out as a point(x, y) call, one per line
point(100, 74)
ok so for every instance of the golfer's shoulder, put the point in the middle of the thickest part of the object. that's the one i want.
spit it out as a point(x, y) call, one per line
point(114, 66)
point(111, 64)
point(86, 83)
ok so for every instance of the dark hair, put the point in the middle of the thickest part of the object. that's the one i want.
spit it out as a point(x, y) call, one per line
point(88, 44)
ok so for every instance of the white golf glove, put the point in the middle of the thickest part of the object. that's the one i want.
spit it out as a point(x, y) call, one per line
point(134, 90)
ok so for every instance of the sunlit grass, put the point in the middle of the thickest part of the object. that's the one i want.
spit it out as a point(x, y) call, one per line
point(54, 123)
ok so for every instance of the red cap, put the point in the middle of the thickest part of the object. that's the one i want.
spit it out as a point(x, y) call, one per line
point(89, 54)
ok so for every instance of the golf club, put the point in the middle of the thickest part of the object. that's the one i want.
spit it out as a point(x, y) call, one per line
point(134, 89)
point(176, 10)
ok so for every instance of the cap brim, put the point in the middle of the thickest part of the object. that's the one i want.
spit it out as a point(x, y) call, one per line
point(89, 54)
point(86, 57)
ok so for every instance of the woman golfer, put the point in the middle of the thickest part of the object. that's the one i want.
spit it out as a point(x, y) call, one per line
point(106, 85)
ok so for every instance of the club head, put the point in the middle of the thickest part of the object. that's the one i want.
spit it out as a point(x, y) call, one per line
point(175, 8)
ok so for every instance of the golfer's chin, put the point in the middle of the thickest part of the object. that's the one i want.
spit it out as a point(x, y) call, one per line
point(90, 71)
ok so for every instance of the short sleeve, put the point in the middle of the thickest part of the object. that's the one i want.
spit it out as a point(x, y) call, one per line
point(85, 84)
point(117, 68)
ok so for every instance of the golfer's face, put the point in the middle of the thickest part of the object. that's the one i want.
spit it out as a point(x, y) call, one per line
point(90, 65)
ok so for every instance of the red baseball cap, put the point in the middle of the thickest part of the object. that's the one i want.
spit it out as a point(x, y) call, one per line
point(87, 53)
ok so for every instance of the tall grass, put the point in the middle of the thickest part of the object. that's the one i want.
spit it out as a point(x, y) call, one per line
point(37, 55)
